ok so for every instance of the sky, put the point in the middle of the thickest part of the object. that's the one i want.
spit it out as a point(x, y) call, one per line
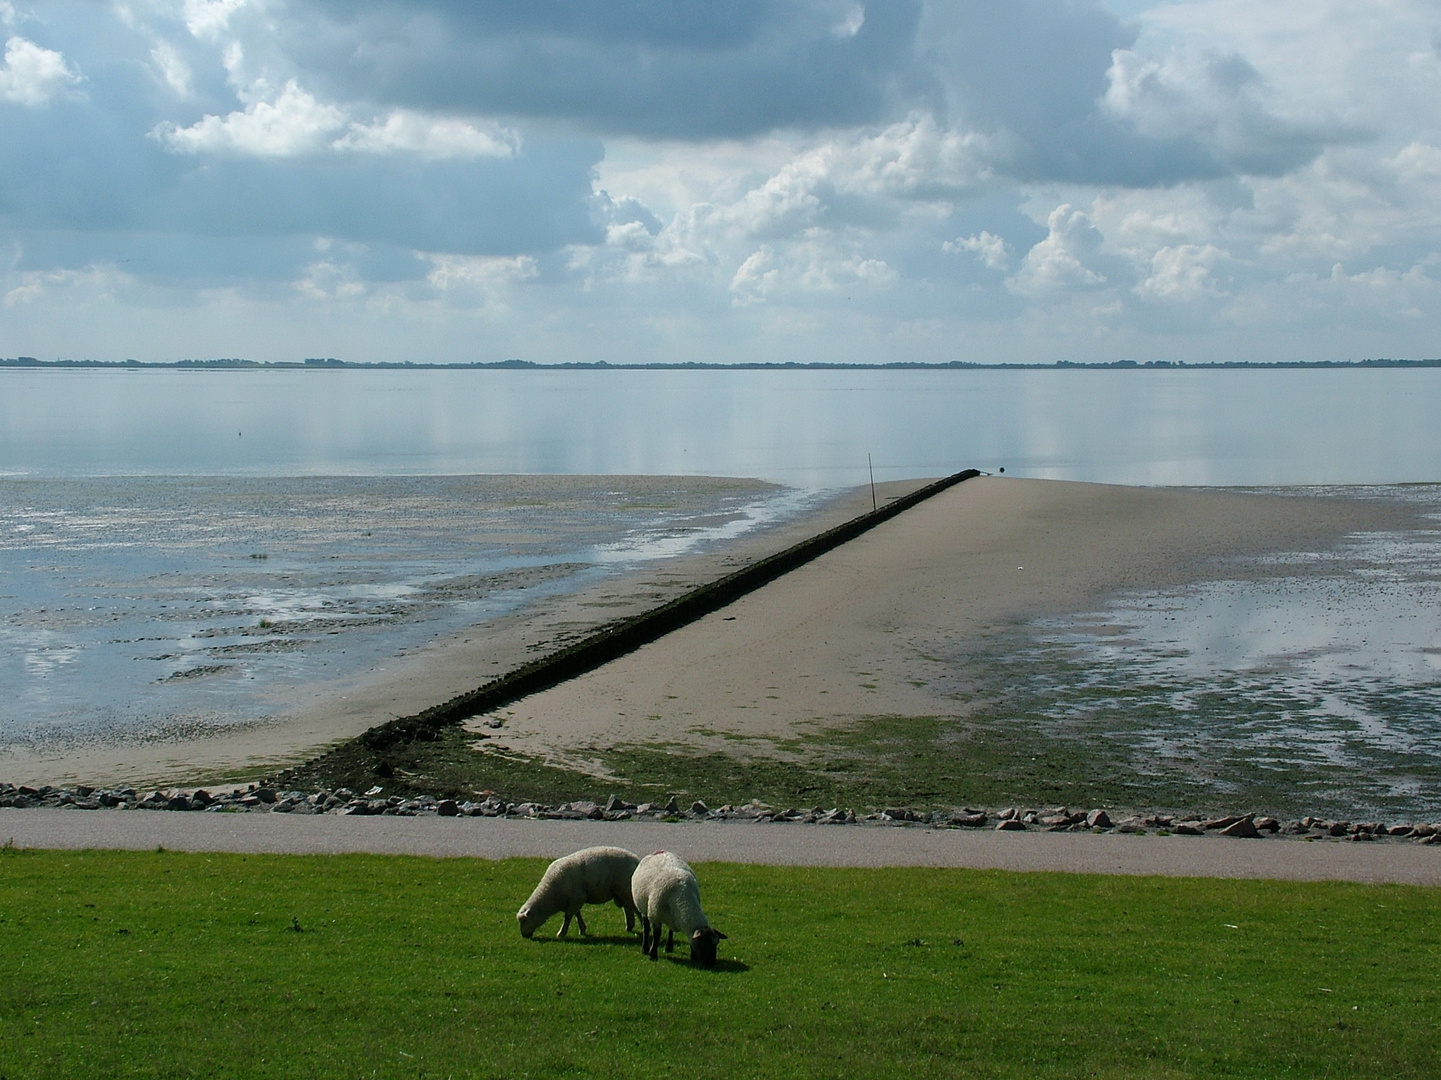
point(687, 180)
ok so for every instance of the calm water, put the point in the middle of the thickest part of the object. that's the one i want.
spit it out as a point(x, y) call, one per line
point(805, 429)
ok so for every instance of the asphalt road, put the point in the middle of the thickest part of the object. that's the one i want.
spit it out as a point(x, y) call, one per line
point(781, 845)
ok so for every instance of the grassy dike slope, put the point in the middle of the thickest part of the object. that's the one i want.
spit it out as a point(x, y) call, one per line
point(167, 965)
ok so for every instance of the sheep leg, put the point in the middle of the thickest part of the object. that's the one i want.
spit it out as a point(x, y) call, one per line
point(564, 927)
point(580, 921)
point(645, 935)
point(629, 917)
point(654, 940)
point(670, 940)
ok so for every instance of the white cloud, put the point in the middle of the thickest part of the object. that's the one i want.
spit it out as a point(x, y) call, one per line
point(986, 246)
point(638, 249)
point(172, 68)
point(914, 159)
point(295, 123)
point(824, 268)
point(785, 203)
point(818, 263)
point(850, 22)
point(436, 137)
point(1411, 294)
point(755, 278)
point(32, 75)
point(208, 19)
point(1371, 64)
point(93, 282)
point(1181, 274)
point(329, 280)
point(483, 276)
point(1057, 263)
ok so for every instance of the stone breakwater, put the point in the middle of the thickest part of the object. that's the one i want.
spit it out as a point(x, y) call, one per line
point(261, 798)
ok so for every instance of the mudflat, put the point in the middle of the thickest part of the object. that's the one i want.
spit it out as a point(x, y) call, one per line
point(874, 628)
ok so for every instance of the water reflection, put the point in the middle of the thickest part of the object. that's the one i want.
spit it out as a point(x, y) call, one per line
point(809, 429)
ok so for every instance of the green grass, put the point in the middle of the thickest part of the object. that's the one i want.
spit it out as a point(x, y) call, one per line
point(176, 965)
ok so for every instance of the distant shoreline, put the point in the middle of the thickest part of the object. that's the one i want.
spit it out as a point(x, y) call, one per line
point(332, 364)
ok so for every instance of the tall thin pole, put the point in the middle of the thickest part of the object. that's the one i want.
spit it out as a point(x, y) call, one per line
point(872, 468)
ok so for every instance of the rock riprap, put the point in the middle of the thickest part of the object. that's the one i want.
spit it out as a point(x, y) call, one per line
point(264, 798)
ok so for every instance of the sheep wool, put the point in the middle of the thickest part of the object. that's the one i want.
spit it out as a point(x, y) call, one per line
point(594, 875)
point(667, 894)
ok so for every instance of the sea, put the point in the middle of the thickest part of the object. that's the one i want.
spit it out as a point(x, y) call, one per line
point(181, 550)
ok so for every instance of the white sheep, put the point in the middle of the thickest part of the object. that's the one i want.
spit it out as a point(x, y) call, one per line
point(667, 894)
point(592, 876)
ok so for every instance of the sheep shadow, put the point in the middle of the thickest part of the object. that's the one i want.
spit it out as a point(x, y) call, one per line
point(591, 939)
point(631, 941)
point(720, 967)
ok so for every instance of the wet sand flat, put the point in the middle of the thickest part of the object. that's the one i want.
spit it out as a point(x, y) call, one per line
point(873, 628)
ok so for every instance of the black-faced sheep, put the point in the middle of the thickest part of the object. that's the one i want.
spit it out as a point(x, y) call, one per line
point(592, 876)
point(667, 894)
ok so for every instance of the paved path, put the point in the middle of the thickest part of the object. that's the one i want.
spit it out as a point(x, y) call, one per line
point(783, 845)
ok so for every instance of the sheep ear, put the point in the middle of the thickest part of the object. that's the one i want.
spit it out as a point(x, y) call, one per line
point(719, 936)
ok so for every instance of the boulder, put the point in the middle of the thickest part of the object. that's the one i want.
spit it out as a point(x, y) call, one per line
point(1223, 822)
point(968, 819)
point(1244, 827)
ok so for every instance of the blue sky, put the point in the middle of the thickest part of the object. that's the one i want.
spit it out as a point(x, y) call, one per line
point(671, 180)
